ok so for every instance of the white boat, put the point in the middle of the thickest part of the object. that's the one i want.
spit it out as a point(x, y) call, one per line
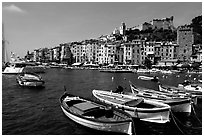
point(30, 80)
point(143, 109)
point(143, 71)
point(177, 104)
point(96, 115)
point(14, 68)
point(149, 78)
point(154, 70)
point(166, 71)
point(177, 92)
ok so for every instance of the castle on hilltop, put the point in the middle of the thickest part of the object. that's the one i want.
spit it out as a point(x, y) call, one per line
point(164, 23)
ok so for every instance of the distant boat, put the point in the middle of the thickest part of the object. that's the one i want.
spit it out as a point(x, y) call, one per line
point(116, 70)
point(30, 80)
point(96, 115)
point(177, 104)
point(155, 79)
point(14, 68)
point(17, 67)
point(143, 71)
point(143, 109)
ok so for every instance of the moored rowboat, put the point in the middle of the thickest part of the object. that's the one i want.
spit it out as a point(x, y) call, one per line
point(96, 115)
point(30, 80)
point(177, 104)
point(143, 109)
point(177, 92)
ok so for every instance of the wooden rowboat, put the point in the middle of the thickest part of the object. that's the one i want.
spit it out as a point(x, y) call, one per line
point(177, 104)
point(96, 115)
point(143, 109)
point(30, 80)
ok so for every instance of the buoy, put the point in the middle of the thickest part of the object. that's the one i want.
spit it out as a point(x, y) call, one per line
point(112, 78)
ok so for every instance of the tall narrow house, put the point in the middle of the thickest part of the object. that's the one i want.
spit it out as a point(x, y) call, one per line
point(185, 41)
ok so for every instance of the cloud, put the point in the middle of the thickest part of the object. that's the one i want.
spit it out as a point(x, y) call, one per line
point(13, 8)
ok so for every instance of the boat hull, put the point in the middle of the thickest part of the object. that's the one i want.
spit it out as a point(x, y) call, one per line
point(177, 105)
point(12, 70)
point(148, 78)
point(125, 127)
point(30, 80)
point(181, 106)
point(156, 115)
point(31, 84)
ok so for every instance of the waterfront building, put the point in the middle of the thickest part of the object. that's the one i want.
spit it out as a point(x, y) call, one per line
point(92, 53)
point(165, 50)
point(76, 49)
point(134, 52)
point(138, 51)
point(65, 54)
point(185, 41)
point(50, 54)
point(107, 53)
point(127, 52)
point(149, 50)
point(56, 54)
point(197, 57)
point(119, 54)
point(36, 55)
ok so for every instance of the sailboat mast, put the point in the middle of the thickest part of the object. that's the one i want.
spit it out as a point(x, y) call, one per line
point(5, 58)
point(3, 45)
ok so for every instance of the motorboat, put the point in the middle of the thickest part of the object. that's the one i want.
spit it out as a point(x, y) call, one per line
point(14, 68)
point(20, 67)
point(143, 71)
point(177, 104)
point(145, 110)
point(96, 115)
point(30, 80)
point(155, 79)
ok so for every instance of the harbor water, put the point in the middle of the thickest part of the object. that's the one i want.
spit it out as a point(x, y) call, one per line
point(29, 111)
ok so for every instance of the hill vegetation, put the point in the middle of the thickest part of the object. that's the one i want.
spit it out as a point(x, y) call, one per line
point(165, 35)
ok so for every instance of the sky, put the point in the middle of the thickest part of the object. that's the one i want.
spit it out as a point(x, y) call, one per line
point(34, 25)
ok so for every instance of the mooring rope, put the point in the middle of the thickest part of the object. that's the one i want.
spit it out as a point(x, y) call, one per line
point(176, 123)
point(196, 114)
point(182, 123)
